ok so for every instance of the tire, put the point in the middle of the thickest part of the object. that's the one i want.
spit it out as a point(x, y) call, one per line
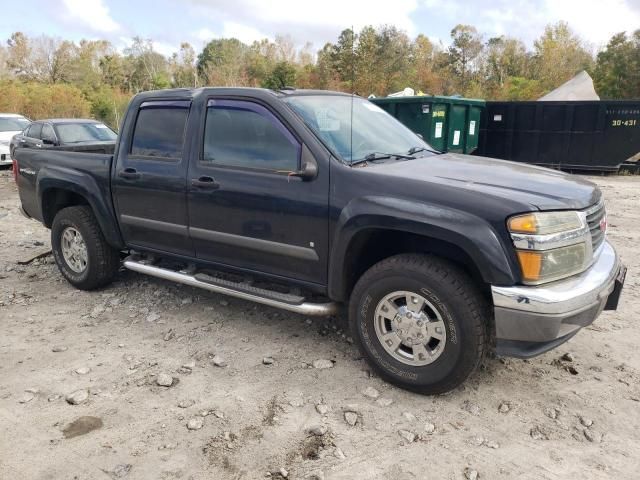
point(452, 304)
point(102, 260)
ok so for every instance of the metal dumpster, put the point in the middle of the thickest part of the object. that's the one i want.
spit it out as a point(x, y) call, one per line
point(448, 124)
point(576, 135)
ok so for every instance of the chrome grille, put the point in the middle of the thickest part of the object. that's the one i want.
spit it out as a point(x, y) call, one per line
point(595, 215)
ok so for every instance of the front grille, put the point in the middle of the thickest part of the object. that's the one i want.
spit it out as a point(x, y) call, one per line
point(595, 215)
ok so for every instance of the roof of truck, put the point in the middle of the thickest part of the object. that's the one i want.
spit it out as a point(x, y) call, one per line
point(193, 92)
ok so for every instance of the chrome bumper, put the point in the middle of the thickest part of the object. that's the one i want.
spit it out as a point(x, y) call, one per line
point(530, 320)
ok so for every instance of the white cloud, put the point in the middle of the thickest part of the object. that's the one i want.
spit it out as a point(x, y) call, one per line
point(204, 34)
point(91, 13)
point(165, 48)
point(318, 21)
point(595, 20)
point(244, 33)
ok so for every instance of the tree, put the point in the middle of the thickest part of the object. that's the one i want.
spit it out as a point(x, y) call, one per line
point(222, 62)
point(183, 67)
point(558, 56)
point(282, 75)
point(617, 70)
point(425, 74)
point(465, 48)
point(505, 58)
point(145, 68)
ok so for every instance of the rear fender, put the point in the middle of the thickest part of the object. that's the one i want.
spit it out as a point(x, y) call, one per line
point(82, 184)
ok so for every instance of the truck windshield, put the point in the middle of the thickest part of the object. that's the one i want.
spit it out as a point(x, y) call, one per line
point(84, 132)
point(375, 133)
point(13, 124)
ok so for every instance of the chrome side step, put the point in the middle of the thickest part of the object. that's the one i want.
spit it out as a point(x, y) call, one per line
point(292, 303)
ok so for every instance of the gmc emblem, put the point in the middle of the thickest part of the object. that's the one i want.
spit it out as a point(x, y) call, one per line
point(603, 224)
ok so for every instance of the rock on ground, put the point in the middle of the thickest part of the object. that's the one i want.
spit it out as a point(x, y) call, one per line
point(322, 364)
point(78, 397)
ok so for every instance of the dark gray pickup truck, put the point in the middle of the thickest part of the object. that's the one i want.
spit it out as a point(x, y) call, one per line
point(309, 200)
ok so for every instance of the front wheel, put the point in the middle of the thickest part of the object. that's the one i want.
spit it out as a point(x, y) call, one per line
point(80, 250)
point(420, 322)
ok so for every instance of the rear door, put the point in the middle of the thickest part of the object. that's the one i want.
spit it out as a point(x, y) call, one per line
point(244, 210)
point(149, 182)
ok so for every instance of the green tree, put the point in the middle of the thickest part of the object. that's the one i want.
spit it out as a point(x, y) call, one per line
point(558, 56)
point(505, 58)
point(183, 67)
point(617, 70)
point(466, 46)
point(223, 62)
point(282, 75)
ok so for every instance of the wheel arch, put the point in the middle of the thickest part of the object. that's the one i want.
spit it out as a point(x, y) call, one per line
point(56, 193)
point(363, 239)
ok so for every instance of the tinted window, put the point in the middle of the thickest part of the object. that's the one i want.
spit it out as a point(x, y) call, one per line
point(47, 133)
point(84, 132)
point(159, 132)
point(35, 130)
point(245, 135)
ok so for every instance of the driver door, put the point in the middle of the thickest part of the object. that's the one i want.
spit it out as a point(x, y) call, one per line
point(244, 210)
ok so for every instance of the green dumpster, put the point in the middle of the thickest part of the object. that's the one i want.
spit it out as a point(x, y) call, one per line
point(448, 124)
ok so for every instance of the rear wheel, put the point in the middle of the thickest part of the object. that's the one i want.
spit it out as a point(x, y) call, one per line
point(80, 250)
point(420, 321)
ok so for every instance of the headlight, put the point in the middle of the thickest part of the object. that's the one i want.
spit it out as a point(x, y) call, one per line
point(544, 223)
point(550, 245)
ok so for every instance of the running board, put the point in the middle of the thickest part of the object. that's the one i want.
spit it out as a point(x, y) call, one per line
point(292, 303)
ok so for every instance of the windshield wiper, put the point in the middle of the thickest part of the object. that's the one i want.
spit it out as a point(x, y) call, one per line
point(373, 156)
point(414, 150)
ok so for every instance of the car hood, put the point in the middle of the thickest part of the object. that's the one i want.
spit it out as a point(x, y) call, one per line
point(539, 187)
point(6, 136)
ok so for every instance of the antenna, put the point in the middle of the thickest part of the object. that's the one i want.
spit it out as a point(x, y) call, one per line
point(353, 74)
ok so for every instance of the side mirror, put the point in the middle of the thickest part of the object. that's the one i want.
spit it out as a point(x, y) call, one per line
point(309, 166)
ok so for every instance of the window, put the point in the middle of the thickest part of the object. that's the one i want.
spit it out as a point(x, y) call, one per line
point(244, 134)
point(13, 124)
point(85, 132)
point(35, 130)
point(47, 134)
point(159, 130)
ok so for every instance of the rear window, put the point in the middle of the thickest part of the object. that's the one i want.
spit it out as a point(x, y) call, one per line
point(13, 124)
point(84, 132)
point(159, 132)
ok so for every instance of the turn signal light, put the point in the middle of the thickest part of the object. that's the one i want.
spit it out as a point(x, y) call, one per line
point(531, 265)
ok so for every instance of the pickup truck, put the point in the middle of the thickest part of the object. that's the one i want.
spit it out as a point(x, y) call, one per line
point(312, 200)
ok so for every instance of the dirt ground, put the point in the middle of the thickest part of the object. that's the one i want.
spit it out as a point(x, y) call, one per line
point(242, 378)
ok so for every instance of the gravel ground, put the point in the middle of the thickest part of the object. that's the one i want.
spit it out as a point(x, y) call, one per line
point(148, 379)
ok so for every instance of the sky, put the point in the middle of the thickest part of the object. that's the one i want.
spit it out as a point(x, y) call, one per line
point(168, 23)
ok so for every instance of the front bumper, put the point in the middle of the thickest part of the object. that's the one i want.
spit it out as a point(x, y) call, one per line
point(531, 320)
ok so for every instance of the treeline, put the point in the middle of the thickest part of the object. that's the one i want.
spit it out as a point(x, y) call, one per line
point(46, 77)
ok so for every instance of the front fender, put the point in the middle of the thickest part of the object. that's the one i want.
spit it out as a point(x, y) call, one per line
point(83, 184)
point(475, 236)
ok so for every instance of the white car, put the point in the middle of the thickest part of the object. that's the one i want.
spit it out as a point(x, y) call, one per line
point(10, 125)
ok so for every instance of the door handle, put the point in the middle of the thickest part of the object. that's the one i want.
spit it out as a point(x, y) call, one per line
point(205, 182)
point(39, 145)
point(129, 173)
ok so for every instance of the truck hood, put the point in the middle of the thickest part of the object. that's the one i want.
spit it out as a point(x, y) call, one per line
point(6, 136)
point(539, 187)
